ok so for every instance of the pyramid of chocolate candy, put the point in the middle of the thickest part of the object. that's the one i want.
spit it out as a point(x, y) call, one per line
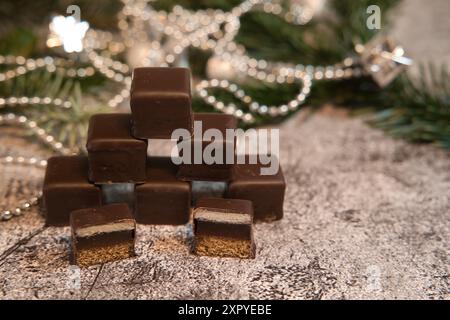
point(102, 195)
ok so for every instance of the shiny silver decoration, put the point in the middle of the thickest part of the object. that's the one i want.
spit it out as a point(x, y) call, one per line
point(383, 59)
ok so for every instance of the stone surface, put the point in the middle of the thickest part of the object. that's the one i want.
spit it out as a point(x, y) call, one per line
point(365, 217)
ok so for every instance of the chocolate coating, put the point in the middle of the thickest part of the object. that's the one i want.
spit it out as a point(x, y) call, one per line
point(66, 188)
point(265, 191)
point(229, 207)
point(160, 102)
point(104, 239)
point(162, 199)
point(114, 155)
point(101, 215)
point(235, 206)
point(217, 171)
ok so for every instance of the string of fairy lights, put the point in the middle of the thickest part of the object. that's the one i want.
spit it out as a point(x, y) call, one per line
point(163, 38)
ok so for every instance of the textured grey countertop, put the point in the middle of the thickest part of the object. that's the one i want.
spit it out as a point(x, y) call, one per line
point(366, 217)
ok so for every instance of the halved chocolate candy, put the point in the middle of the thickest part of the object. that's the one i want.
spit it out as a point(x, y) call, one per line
point(102, 234)
point(223, 228)
point(66, 188)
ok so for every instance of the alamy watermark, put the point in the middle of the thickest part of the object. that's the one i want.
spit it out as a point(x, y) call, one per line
point(73, 278)
point(74, 11)
point(374, 20)
point(373, 276)
point(253, 146)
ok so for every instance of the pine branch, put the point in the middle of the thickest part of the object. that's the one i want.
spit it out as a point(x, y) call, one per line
point(67, 125)
point(418, 110)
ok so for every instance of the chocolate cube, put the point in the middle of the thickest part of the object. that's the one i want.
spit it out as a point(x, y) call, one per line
point(114, 155)
point(160, 102)
point(102, 234)
point(218, 170)
point(162, 199)
point(265, 191)
point(223, 228)
point(66, 188)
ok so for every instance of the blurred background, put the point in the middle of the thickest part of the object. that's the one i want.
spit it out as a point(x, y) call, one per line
point(262, 49)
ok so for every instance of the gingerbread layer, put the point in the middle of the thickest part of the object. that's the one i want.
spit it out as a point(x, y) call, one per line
point(217, 246)
point(92, 256)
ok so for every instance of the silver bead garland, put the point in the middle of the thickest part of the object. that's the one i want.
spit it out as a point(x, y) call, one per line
point(25, 205)
point(215, 30)
point(14, 120)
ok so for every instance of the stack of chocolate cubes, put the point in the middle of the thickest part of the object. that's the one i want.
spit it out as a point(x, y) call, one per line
point(119, 183)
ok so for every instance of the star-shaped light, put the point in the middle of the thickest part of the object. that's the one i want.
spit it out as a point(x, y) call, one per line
point(68, 32)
